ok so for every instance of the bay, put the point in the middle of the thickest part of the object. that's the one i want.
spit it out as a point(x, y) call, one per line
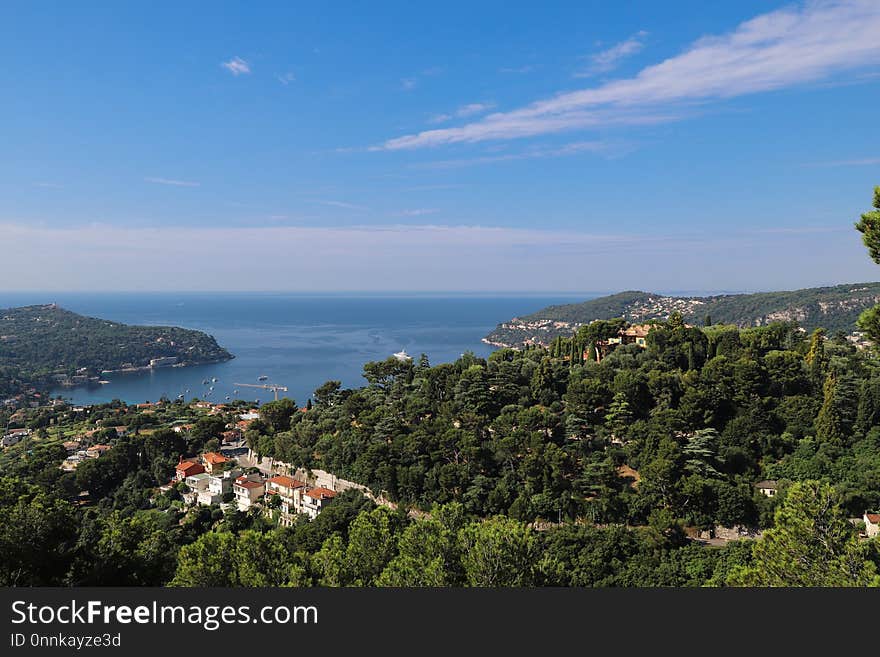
point(296, 340)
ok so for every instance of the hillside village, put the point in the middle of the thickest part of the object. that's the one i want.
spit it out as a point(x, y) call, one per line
point(231, 476)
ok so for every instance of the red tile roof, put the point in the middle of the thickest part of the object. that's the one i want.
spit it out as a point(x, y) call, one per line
point(320, 493)
point(188, 468)
point(214, 458)
point(248, 484)
point(286, 482)
point(873, 518)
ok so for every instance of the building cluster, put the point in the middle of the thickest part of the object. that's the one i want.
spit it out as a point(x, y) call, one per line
point(227, 476)
point(212, 478)
point(76, 454)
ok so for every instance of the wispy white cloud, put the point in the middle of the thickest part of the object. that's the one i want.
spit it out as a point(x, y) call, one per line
point(804, 230)
point(780, 49)
point(465, 111)
point(474, 108)
point(48, 185)
point(859, 162)
point(434, 187)
point(286, 78)
point(342, 204)
point(520, 70)
point(417, 212)
point(237, 66)
point(573, 148)
point(608, 59)
point(175, 183)
point(411, 82)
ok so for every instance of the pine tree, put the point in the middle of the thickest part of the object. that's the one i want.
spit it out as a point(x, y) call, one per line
point(619, 416)
point(869, 227)
point(811, 544)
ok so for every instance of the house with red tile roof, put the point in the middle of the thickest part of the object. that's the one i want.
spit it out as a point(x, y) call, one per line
point(187, 468)
point(95, 451)
point(214, 462)
point(248, 489)
point(290, 493)
point(316, 500)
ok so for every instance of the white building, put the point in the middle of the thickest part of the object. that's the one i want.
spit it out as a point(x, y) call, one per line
point(163, 361)
point(315, 500)
point(248, 489)
point(290, 493)
point(218, 486)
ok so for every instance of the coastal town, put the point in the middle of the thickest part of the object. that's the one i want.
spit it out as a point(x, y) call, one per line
point(231, 476)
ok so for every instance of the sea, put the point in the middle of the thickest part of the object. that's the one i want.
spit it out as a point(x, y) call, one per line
point(298, 341)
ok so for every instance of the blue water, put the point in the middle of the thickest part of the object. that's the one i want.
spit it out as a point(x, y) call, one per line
point(299, 341)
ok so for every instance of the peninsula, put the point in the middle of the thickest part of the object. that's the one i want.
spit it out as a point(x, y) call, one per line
point(48, 344)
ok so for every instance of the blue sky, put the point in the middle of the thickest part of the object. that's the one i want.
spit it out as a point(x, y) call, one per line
point(559, 146)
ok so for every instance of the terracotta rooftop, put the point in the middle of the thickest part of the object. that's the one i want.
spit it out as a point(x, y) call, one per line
point(873, 518)
point(214, 458)
point(189, 466)
point(320, 493)
point(286, 482)
point(638, 330)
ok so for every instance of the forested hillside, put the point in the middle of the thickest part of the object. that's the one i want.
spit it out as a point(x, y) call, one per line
point(48, 339)
point(833, 308)
point(619, 462)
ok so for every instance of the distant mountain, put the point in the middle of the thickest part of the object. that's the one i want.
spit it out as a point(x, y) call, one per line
point(834, 308)
point(45, 340)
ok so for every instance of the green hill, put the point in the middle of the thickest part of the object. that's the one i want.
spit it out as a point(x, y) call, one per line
point(834, 308)
point(44, 340)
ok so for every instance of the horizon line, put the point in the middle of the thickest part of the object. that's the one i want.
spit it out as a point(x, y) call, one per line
point(506, 293)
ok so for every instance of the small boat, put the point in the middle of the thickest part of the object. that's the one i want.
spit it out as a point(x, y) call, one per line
point(211, 388)
point(214, 379)
point(206, 382)
point(262, 377)
point(402, 355)
point(228, 397)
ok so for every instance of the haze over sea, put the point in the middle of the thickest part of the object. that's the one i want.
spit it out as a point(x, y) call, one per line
point(296, 340)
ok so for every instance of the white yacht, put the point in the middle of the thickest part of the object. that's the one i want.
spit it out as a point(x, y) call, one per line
point(402, 356)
